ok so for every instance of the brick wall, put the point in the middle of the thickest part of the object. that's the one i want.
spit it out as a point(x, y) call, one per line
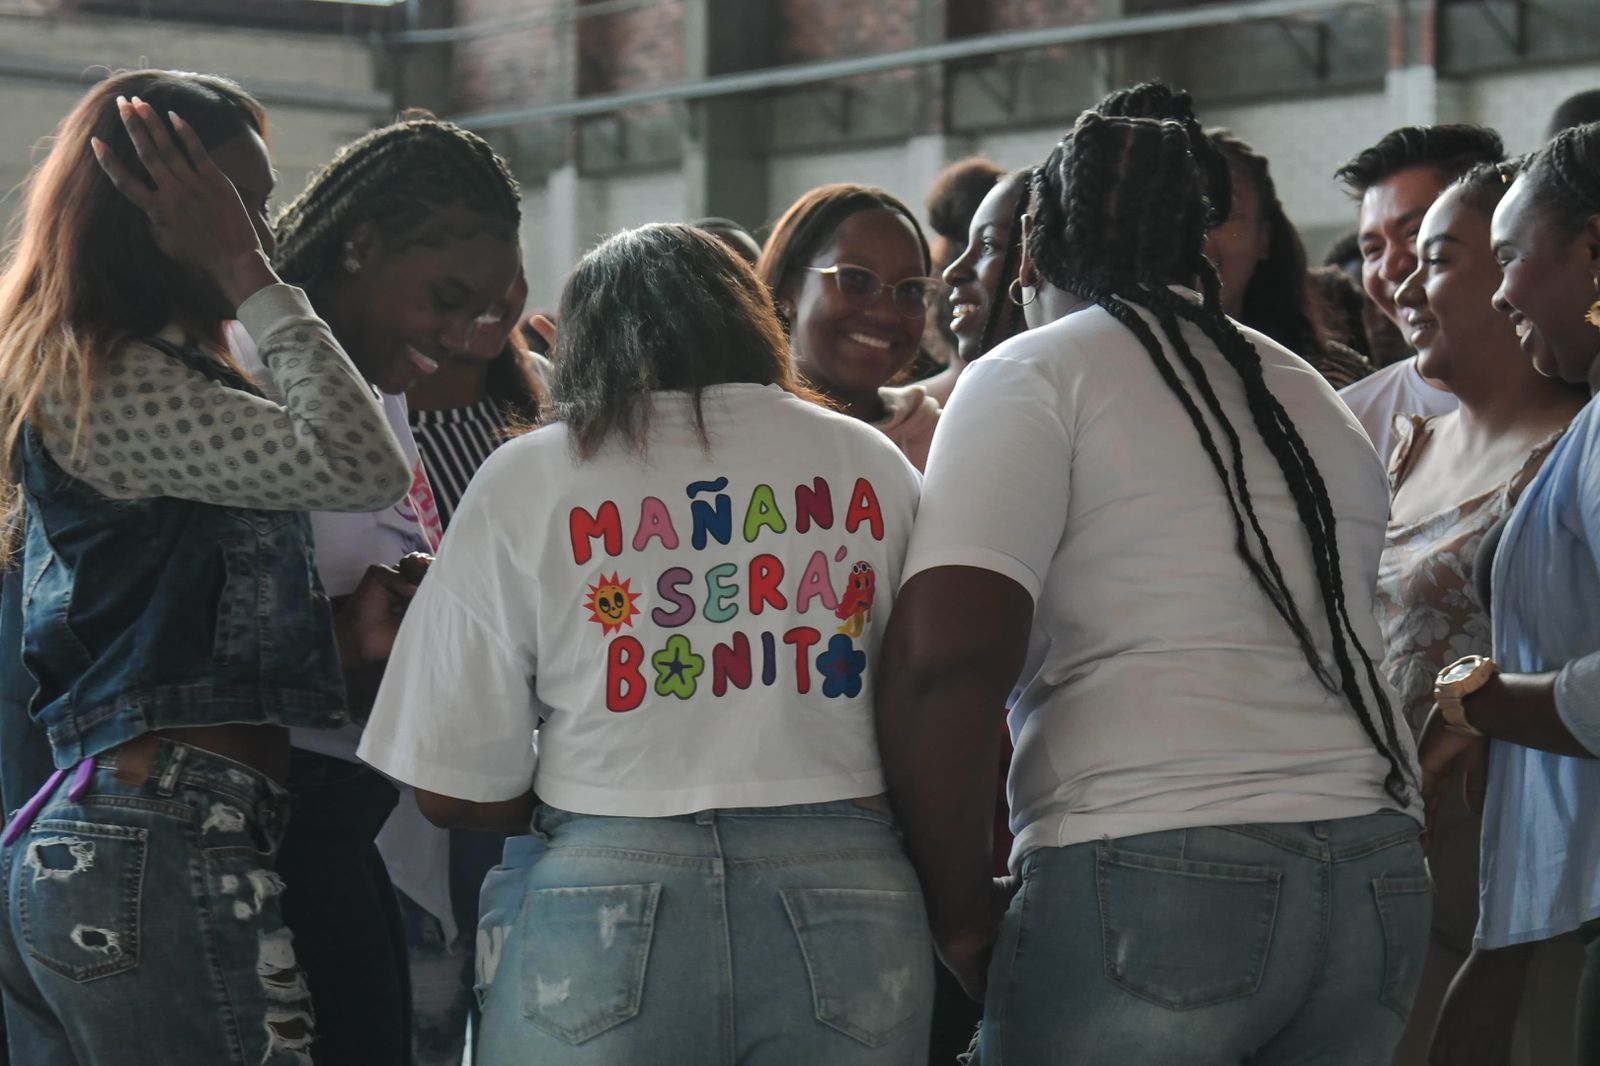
point(971, 17)
point(514, 66)
point(631, 49)
point(810, 30)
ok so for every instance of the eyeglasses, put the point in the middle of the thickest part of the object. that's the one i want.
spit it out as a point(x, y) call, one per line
point(911, 297)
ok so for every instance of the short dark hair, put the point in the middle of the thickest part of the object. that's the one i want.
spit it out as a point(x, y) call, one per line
point(956, 193)
point(664, 306)
point(1454, 148)
point(1579, 109)
point(1564, 178)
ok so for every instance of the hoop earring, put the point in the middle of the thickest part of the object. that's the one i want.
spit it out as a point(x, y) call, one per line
point(1592, 316)
point(1014, 293)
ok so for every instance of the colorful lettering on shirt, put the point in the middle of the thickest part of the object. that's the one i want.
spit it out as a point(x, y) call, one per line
point(654, 521)
point(584, 527)
point(762, 514)
point(813, 504)
point(864, 508)
point(625, 686)
point(714, 591)
point(669, 587)
point(711, 519)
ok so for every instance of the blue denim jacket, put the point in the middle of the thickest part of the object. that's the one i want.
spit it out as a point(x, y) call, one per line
point(165, 613)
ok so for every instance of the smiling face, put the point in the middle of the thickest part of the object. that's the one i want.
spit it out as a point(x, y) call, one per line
point(846, 350)
point(1391, 214)
point(1446, 310)
point(976, 278)
point(407, 309)
point(612, 603)
point(1547, 283)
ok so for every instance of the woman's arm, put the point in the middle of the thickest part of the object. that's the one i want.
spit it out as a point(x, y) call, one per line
point(954, 649)
point(154, 427)
point(448, 812)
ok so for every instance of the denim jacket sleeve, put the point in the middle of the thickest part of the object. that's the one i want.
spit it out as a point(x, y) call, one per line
point(156, 427)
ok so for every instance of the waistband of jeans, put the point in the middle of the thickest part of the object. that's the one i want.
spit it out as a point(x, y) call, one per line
point(872, 808)
point(166, 765)
point(1339, 840)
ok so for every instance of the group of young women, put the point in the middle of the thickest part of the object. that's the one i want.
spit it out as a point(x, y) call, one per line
point(710, 637)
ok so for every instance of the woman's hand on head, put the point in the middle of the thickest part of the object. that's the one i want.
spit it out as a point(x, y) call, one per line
point(196, 215)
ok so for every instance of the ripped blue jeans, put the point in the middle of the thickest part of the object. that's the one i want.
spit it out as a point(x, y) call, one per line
point(143, 925)
point(781, 936)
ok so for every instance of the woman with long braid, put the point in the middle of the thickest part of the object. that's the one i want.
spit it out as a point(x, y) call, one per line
point(1205, 746)
point(407, 245)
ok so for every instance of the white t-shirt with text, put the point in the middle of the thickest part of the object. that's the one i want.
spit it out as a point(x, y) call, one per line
point(1162, 688)
point(697, 628)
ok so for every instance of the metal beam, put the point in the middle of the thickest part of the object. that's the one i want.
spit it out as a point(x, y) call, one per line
point(944, 52)
point(65, 72)
point(473, 30)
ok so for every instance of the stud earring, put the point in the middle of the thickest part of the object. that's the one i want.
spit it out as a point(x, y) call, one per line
point(1014, 292)
point(351, 264)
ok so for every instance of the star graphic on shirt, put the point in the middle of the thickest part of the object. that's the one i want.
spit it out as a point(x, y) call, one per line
point(678, 668)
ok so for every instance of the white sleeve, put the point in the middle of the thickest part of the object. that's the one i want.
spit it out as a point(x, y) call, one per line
point(994, 495)
point(456, 712)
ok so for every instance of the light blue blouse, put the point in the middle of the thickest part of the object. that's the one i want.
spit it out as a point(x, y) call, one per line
point(1541, 828)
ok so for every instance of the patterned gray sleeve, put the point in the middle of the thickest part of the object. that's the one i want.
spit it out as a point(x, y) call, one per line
point(157, 428)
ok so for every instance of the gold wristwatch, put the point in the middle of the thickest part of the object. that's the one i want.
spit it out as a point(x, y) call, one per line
point(1458, 681)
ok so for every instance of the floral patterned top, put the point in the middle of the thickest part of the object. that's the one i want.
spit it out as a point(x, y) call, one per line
point(1428, 604)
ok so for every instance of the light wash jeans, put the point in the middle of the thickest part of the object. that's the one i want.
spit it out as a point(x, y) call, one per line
point(783, 936)
point(144, 925)
point(1251, 944)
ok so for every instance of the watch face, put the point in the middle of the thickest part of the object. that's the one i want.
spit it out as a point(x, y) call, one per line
point(1459, 671)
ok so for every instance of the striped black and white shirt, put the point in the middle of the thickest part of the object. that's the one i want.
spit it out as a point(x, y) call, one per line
point(454, 443)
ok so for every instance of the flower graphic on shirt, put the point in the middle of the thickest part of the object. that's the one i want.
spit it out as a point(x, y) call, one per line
point(612, 603)
point(677, 667)
point(841, 667)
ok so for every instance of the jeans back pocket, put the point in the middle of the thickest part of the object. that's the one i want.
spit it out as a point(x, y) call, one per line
point(1405, 910)
point(584, 953)
point(78, 890)
point(1184, 934)
point(869, 958)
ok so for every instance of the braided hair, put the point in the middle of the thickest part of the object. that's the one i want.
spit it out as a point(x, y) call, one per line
point(398, 178)
point(1096, 237)
point(1565, 178)
point(1152, 99)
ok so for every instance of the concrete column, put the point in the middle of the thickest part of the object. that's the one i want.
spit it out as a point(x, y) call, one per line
point(1414, 94)
point(555, 240)
point(724, 149)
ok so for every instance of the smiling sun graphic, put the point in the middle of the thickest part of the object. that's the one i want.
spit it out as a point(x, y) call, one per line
point(612, 603)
